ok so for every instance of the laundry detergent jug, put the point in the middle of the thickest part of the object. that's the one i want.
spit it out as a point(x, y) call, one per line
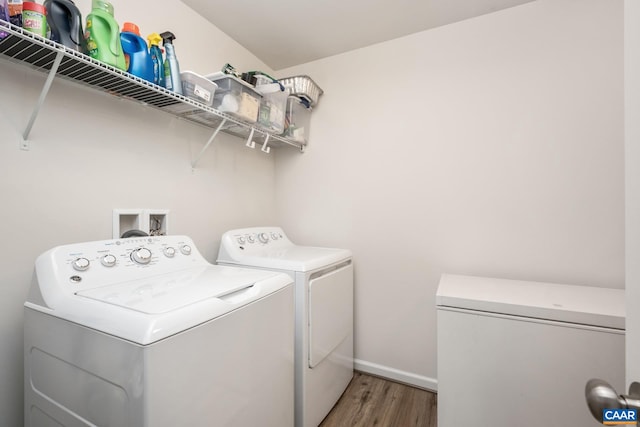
point(15, 12)
point(65, 23)
point(4, 15)
point(137, 57)
point(102, 35)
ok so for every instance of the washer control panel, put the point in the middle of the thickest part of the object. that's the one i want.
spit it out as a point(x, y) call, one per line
point(93, 264)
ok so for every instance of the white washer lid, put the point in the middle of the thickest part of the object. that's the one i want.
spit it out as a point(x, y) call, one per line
point(147, 310)
point(584, 305)
point(177, 290)
point(291, 258)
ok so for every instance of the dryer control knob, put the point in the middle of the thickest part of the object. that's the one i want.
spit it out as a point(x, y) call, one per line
point(108, 260)
point(185, 249)
point(169, 252)
point(141, 255)
point(251, 238)
point(264, 237)
point(274, 236)
point(81, 264)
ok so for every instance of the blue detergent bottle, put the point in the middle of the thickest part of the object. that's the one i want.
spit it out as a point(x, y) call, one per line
point(154, 40)
point(136, 56)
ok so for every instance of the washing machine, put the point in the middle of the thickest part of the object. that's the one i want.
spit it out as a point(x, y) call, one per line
point(144, 332)
point(323, 279)
point(519, 353)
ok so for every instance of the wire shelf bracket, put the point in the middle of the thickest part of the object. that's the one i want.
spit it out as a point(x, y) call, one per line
point(209, 142)
point(24, 144)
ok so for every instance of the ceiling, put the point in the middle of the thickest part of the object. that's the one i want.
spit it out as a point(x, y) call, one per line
point(283, 33)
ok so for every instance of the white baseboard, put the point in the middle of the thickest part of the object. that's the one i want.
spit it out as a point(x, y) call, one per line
point(410, 378)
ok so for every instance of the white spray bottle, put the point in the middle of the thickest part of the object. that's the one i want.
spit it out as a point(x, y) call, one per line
point(172, 79)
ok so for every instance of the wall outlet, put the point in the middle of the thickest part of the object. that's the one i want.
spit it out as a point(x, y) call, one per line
point(154, 222)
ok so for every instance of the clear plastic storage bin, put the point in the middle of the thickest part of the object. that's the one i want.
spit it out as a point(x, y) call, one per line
point(272, 108)
point(297, 120)
point(198, 88)
point(235, 97)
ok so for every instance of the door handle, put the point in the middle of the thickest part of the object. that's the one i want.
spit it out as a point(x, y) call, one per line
point(601, 395)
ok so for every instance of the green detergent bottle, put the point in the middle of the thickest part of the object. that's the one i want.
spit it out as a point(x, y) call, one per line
point(102, 34)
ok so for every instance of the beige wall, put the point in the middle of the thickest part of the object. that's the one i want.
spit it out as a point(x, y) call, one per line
point(91, 153)
point(632, 186)
point(489, 147)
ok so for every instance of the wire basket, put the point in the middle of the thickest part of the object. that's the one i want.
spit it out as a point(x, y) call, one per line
point(303, 87)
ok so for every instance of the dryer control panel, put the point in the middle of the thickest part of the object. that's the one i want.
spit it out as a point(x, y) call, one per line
point(270, 248)
point(258, 236)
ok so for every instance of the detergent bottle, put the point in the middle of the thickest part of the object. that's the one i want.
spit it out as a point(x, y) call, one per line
point(172, 79)
point(136, 56)
point(65, 23)
point(4, 15)
point(102, 35)
point(154, 40)
point(15, 12)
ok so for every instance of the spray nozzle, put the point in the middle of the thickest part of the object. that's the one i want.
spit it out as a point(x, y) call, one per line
point(167, 37)
point(154, 39)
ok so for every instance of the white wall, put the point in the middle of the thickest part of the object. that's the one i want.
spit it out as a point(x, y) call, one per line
point(632, 187)
point(91, 153)
point(490, 147)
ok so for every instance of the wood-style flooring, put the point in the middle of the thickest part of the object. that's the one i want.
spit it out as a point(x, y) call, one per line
point(372, 401)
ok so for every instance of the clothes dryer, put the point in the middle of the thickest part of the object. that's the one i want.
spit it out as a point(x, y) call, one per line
point(143, 332)
point(323, 279)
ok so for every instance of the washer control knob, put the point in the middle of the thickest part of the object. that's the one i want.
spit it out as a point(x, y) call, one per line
point(169, 252)
point(81, 264)
point(274, 236)
point(251, 238)
point(108, 260)
point(185, 249)
point(241, 240)
point(141, 255)
point(263, 237)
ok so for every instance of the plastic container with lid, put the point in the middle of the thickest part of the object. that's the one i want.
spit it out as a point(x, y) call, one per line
point(198, 87)
point(235, 97)
point(34, 18)
point(272, 107)
point(297, 120)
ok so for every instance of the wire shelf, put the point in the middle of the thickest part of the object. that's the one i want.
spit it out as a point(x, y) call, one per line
point(39, 53)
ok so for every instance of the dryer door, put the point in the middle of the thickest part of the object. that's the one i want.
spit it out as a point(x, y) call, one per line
point(330, 310)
